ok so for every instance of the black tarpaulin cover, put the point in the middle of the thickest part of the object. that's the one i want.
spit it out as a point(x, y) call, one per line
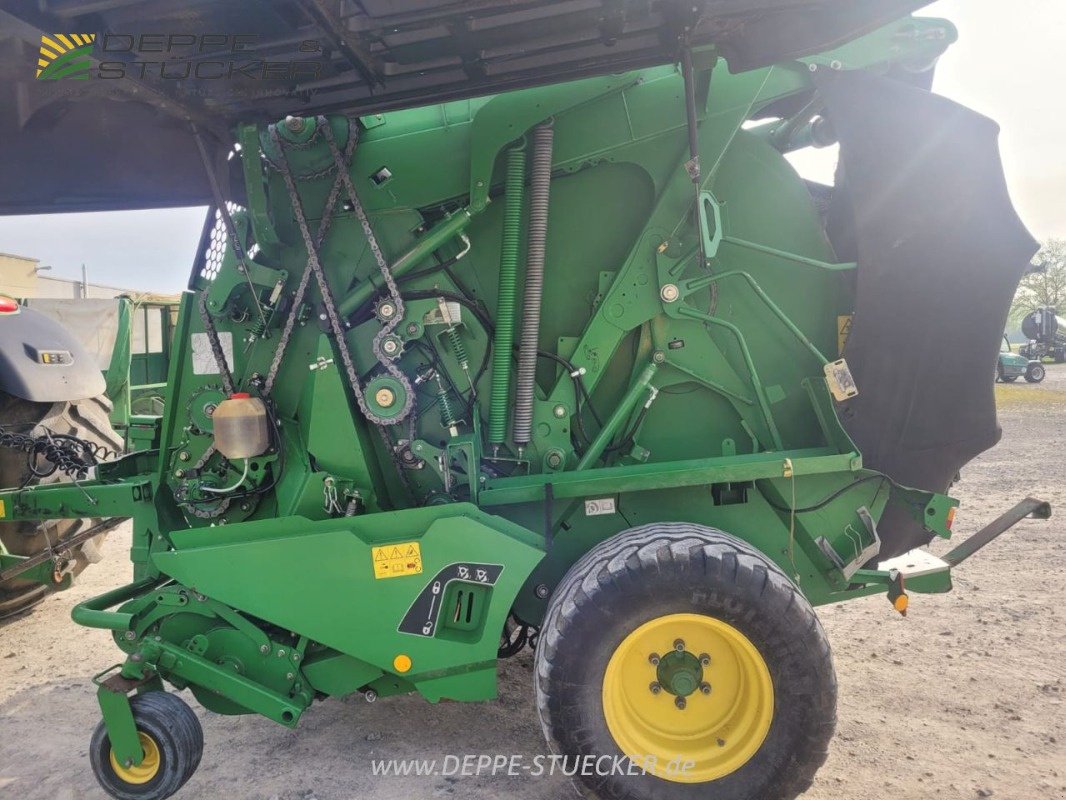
point(925, 212)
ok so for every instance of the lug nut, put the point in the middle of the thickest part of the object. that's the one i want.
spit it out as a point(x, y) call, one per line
point(705, 688)
point(655, 687)
point(705, 660)
point(654, 659)
point(680, 703)
point(679, 645)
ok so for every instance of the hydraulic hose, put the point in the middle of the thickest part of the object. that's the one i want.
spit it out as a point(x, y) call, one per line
point(543, 136)
point(505, 302)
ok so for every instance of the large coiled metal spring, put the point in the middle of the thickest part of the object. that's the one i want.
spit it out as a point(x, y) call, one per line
point(543, 139)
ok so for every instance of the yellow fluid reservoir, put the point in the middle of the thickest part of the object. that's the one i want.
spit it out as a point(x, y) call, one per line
point(241, 426)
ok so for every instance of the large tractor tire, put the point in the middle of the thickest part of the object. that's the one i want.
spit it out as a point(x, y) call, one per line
point(689, 652)
point(85, 419)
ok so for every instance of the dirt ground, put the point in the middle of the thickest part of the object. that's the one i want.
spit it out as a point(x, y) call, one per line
point(963, 699)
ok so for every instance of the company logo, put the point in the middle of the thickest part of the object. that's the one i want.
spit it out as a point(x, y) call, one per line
point(65, 55)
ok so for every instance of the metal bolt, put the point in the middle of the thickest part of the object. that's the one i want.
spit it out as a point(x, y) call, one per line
point(680, 703)
point(289, 676)
point(705, 688)
point(555, 459)
point(295, 656)
point(679, 645)
point(294, 124)
point(281, 654)
point(834, 64)
point(179, 473)
point(541, 591)
point(129, 635)
point(705, 660)
point(669, 293)
point(386, 310)
point(812, 67)
point(412, 329)
point(184, 456)
point(322, 317)
point(136, 657)
point(658, 356)
point(264, 649)
point(370, 695)
point(654, 659)
point(559, 411)
point(385, 397)
point(655, 687)
point(389, 346)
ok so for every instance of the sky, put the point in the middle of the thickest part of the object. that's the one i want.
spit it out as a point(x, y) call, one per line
point(1007, 64)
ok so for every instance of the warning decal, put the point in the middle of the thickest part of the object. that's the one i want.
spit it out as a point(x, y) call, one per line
point(396, 560)
point(843, 331)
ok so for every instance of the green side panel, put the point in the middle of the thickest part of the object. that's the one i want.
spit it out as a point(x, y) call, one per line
point(317, 579)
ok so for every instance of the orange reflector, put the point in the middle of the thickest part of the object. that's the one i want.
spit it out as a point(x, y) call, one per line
point(402, 663)
point(901, 603)
point(950, 517)
point(8, 305)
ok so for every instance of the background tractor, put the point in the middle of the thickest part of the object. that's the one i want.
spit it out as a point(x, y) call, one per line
point(54, 424)
point(512, 323)
point(1010, 366)
point(45, 407)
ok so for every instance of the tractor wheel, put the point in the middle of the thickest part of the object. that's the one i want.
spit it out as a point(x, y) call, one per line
point(173, 743)
point(1009, 378)
point(1035, 373)
point(86, 419)
point(689, 652)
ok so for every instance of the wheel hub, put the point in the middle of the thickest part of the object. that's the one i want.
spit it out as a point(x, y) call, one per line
point(679, 674)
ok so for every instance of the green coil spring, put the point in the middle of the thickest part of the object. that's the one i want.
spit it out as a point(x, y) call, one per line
point(458, 348)
point(505, 322)
point(448, 417)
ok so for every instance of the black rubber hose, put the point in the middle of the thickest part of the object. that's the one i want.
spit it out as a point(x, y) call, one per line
point(543, 137)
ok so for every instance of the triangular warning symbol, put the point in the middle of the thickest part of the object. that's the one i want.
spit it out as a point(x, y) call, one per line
point(379, 554)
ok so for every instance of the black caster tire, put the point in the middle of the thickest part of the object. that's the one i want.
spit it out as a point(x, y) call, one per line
point(684, 643)
point(173, 742)
point(1035, 373)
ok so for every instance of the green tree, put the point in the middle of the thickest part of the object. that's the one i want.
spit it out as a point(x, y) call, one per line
point(1045, 285)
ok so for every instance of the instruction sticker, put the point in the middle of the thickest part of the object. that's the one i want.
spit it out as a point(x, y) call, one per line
point(397, 560)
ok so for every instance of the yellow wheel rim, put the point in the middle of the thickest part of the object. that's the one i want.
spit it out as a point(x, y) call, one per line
point(689, 697)
point(146, 770)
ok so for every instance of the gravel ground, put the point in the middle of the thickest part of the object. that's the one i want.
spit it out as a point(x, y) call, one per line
point(962, 699)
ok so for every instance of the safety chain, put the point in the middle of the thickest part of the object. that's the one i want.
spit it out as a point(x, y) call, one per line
point(68, 454)
point(337, 328)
